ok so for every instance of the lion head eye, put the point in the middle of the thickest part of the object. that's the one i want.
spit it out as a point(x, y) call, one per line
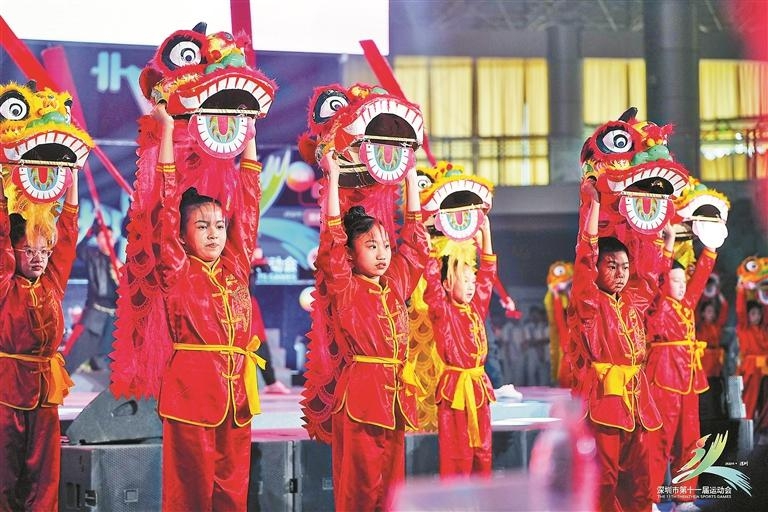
point(13, 106)
point(327, 104)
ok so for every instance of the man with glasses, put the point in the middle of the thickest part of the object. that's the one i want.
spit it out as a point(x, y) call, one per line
point(34, 270)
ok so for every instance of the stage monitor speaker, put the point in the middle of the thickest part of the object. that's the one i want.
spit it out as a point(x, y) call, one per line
point(110, 478)
point(512, 448)
point(314, 477)
point(271, 486)
point(422, 456)
point(108, 419)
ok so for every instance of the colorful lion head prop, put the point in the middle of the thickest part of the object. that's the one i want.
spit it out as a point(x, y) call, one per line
point(373, 135)
point(41, 146)
point(556, 301)
point(635, 174)
point(752, 273)
point(453, 206)
point(215, 97)
point(205, 79)
point(702, 214)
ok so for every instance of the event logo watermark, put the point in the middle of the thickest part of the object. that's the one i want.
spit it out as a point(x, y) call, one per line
point(703, 461)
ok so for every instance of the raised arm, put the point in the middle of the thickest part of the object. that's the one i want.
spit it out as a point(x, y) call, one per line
point(698, 281)
point(64, 251)
point(589, 194)
point(487, 270)
point(332, 203)
point(584, 291)
point(413, 249)
point(332, 259)
point(171, 256)
point(244, 221)
point(412, 202)
point(7, 256)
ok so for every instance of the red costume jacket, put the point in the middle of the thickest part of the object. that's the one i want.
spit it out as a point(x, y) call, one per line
point(460, 335)
point(612, 342)
point(209, 304)
point(753, 339)
point(32, 320)
point(712, 333)
point(675, 360)
point(371, 326)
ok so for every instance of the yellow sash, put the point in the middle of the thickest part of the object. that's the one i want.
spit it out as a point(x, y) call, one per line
point(249, 370)
point(409, 370)
point(615, 378)
point(60, 381)
point(464, 398)
point(698, 349)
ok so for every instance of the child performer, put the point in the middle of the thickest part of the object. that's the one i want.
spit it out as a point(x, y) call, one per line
point(612, 342)
point(711, 316)
point(675, 370)
point(208, 393)
point(752, 333)
point(375, 398)
point(458, 302)
point(33, 381)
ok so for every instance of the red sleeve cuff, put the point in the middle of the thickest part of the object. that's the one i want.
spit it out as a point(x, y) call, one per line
point(165, 167)
point(250, 165)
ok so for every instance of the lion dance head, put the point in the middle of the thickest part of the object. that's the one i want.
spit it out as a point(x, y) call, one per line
point(206, 80)
point(454, 204)
point(373, 133)
point(753, 276)
point(41, 147)
point(635, 174)
point(701, 215)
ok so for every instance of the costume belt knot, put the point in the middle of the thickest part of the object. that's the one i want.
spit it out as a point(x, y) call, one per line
point(464, 398)
point(249, 369)
point(60, 383)
point(615, 378)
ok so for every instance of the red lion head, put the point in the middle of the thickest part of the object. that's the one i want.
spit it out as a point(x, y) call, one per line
point(636, 175)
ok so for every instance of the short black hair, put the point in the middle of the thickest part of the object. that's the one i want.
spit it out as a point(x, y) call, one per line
point(677, 264)
point(609, 244)
point(18, 228)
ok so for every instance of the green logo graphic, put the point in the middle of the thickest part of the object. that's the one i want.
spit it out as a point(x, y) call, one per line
point(703, 461)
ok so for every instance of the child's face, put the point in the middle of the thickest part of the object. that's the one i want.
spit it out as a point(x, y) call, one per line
point(708, 314)
point(755, 316)
point(371, 253)
point(32, 256)
point(613, 272)
point(464, 286)
point(677, 283)
point(205, 232)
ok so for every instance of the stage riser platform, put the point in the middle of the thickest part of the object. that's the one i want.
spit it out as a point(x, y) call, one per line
point(286, 476)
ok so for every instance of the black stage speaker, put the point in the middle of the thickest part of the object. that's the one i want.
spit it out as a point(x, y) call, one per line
point(422, 454)
point(110, 478)
point(272, 486)
point(314, 477)
point(512, 448)
point(290, 476)
point(107, 419)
